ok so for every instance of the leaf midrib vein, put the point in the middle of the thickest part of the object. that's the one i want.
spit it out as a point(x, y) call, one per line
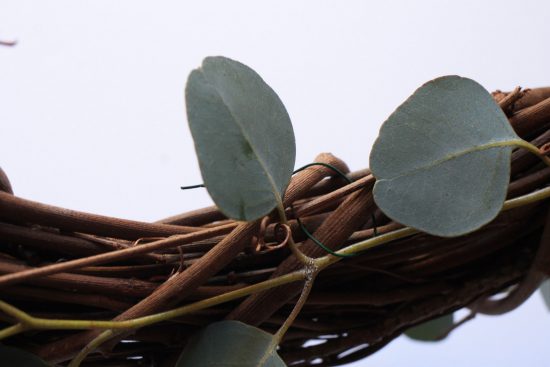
point(274, 188)
point(452, 156)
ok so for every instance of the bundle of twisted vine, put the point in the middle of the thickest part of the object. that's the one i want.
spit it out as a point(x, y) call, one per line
point(66, 276)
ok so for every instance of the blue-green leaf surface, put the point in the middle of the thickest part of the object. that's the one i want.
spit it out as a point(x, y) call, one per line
point(230, 344)
point(442, 159)
point(432, 330)
point(14, 357)
point(243, 137)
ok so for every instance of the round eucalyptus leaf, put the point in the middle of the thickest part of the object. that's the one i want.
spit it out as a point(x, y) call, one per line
point(545, 291)
point(230, 344)
point(432, 330)
point(243, 137)
point(442, 159)
point(16, 357)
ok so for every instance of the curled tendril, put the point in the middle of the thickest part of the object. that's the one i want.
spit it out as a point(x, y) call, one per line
point(261, 244)
point(284, 242)
point(258, 242)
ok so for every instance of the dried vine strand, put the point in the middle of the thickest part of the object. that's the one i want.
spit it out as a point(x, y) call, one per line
point(173, 241)
point(304, 259)
point(319, 243)
point(303, 227)
point(30, 322)
point(297, 188)
point(327, 165)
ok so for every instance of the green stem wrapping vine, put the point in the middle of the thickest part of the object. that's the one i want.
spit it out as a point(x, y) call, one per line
point(39, 323)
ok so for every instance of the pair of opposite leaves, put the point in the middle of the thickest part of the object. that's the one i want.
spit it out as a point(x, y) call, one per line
point(442, 164)
point(442, 159)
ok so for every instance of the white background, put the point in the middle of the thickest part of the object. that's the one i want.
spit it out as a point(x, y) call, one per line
point(92, 115)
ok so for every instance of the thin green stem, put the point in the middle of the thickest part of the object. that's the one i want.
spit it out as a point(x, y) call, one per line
point(90, 347)
point(53, 324)
point(16, 313)
point(308, 285)
point(527, 199)
point(327, 260)
point(12, 330)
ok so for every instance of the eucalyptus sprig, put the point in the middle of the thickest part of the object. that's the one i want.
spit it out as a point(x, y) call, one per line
point(442, 164)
